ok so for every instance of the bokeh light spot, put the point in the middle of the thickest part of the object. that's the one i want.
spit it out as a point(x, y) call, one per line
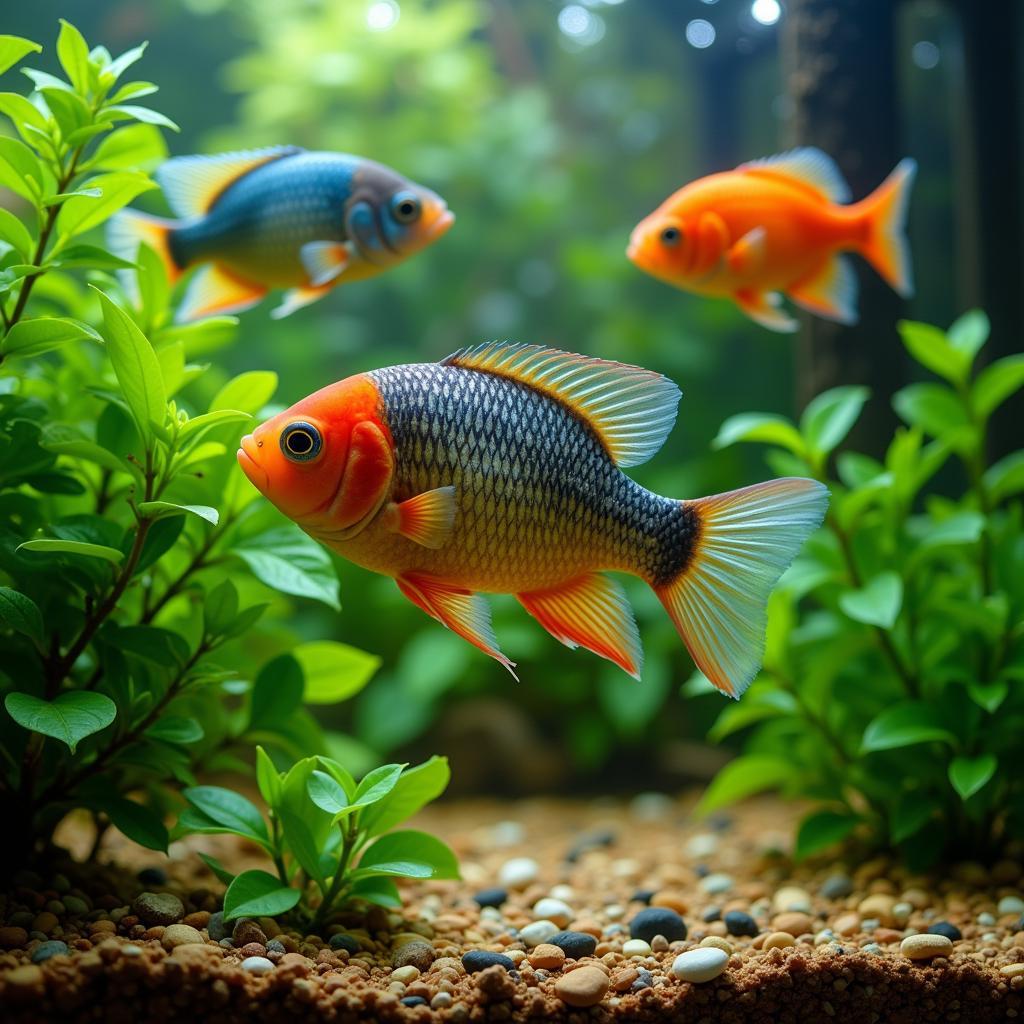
point(766, 12)
point(382, 15)
point(700, 33)
point(925, 54)
point(576, 22)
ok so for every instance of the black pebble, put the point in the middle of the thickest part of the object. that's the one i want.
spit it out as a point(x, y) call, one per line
point(574, 944)
point(645, 980)
point(712, 914)
point(642, 896)
point(152, 876)
point(346, 942)
point(657, 921)
point(837, 887)
point(414, 1001)
point(945, 928)
point(480, 959)
point(491, 897)
point(737, 922)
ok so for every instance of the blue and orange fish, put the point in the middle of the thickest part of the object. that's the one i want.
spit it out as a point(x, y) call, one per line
point(499, 470)
point(279, 218)
point(776, 227)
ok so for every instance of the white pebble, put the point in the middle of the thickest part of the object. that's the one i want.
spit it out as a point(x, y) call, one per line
point(491, 914)
point(507, 833)
point(518, 872)
point(986, 919)
point(613, 911)
point(553, 910)
point(871, 947)
point(715, 883)
point(562, 892)
point(636, 947)
point(701, 964)
point(131, 950)
point(701, 846)
point(257, 965)
point(650, 806)
point(824, 936)
point(537, 932)
point(410, 972)
point(902, 911)
point(1011, 905)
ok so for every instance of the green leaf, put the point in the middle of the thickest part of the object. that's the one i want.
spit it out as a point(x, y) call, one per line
point(377, 784)
point(932, 407)
point(128, 148)
point(143, 114)
point(821, 830)
point(277, 693)
point(248, 392)
point(996, 383)
point(136, 367)
point(970, 332)
point(903, 725)
point(43, 334)
point(138, 823)
point(174, 729)
point(415, 788)
point(81, 213)
point(1006, 477)
point(341, 775)
point(15, 233)
point(21, 614)
point(229, 809)
point(876, 604)
point(287, 560)
point(199, 426)
point(73, 547)
point(13, 48)
point(119, 65)
point(302, 842)
point(934, 350)
point(326, 793)
point(765, 427)
point(744, 776)
point(406, 853)
point(26, 117)
point(258, 894)
point(220, 608)
point(221, 872)
point(70, 717)
point(73, 54)
point(758, 707)
point(333, 671)
point(159, 646)
point(378, 889)
point(20, 169)
point(969, 775)
point(989, 696)
point(91, 257)
point(830, 416)
point(165, 509)
point(268, 778)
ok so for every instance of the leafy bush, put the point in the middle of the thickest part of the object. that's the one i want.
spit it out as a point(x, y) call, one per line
point(134, 556)
point(330, 838)
point(893, 696)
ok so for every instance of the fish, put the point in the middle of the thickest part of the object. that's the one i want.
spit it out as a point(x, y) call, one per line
point(779, 226)
point(499, 469)
point(281, 217)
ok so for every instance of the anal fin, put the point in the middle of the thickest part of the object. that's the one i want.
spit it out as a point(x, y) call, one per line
point(296, 298)
point(763, 308)
point(461, 610)
point(215, 290)
point(591, 611)
point(427, 518)
point(831, 291)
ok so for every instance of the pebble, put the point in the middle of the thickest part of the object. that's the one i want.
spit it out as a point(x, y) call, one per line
point(738, 922)
point(793, 921)
point(415, 954)
point(1010, 905)
point(181, 935)
point(718, 942)
point(779, 940)
point(493, 897)
point(1012, 971)
point(945, 928)
point(871, 947)
point(441, 1001)
point(901, 911)
point(518, 872)
point(405, 974)
point(636, 947)
point(12, 937)
point(924, 947)
point(45, 922)
point(554, 910)
point(645, 980)
point(846, 924)
point(547, 957)
point(717, 883)
point(703, 845)
point(791, 897)
point(344, 941)
point(246, 931)
point(586, 986)
point(537, 932)
point(653, 921)
point(986, 920)
point(152, 876)
point(257, 965)
point(575, 945)
point(837, 887)
point(711, 914)
point(701, 964)
point(158, 908)
point(480, 959)
point(642, 896)
point(76, 906)
point(47, 949)
point(216, 927)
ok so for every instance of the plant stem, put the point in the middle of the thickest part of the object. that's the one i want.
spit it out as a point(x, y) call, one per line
point(348, 845)
point(174, 588)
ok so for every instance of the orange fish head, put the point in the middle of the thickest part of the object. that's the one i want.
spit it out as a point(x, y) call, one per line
point(662, 245)
point(326, 462)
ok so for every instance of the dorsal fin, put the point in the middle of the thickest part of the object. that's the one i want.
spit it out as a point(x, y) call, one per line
point(193, 183)
point(810, 167)
point(631, 409)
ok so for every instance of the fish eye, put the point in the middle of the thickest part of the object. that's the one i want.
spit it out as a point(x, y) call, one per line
point(301, 442)
point(671, 236)
point(406, 207)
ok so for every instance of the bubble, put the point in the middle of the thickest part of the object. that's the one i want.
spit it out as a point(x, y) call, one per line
point(700, 33)
point(925, 55)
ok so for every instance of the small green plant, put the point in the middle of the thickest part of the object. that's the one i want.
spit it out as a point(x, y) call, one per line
point(330, 838)
point(892, 694)
point(134, 556)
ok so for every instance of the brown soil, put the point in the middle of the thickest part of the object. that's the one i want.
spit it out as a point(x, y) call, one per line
point(121, 971)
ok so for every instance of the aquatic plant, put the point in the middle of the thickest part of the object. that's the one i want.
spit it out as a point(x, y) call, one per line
point(134, 556)
point(331, 839)
point(891, 694)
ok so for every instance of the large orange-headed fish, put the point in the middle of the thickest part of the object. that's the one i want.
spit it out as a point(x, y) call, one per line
point(499, 470)
point(279, 218)
point(777, 226)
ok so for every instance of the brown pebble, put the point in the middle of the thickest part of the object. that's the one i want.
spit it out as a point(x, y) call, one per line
point(45, 922)
point(718, 942)
point(246, 931)
point(779, 940)
point(886, 935)
point(793, 921)
point(181, 935)
point(418, 953)
point(878, 906)
point(12, 937)
point(925, 947)
point(585, 986)
point(622, 979)
point(670, 899)
point(200, 919)
point(547, 957)
point(846, 924)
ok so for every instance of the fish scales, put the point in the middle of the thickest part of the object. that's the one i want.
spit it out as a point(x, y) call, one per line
point(538, 497)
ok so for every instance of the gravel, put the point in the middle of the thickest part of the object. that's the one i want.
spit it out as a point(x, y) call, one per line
point(739, 922)
point(480, 959)
point(653, 921)
point(158, 908)
point(700, 965)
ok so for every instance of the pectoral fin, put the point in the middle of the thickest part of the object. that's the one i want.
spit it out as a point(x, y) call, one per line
point(296, 298)
point(747, 255)
point(214, 291)
point(591, 611)
point(459, 609)
point(763, 307)
point(427, 518)
point(324, 261)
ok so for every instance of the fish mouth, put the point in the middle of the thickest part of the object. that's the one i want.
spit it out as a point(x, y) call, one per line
point(632, 250)
point(250, 467)
point(445, 219)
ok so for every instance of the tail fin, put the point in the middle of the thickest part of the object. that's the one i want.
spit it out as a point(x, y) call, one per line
point(127, 228)
point(744, 542)
point(885, 210)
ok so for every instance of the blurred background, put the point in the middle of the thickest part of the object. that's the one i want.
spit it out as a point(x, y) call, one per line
point(551, 128)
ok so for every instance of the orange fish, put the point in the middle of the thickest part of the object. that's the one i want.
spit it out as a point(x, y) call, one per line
point(777, 226)
point(499, 470)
